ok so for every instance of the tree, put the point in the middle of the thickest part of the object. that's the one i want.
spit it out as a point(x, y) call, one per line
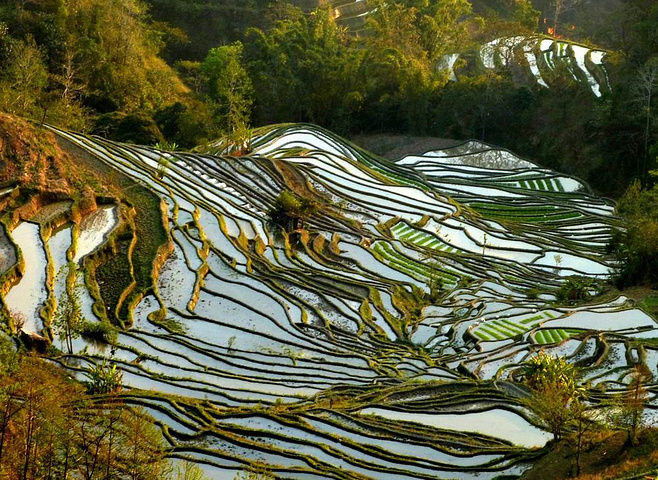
point(434, 278)
point(50, 428)
point(137, 128)
point(395, 25)
point(105, 53)
point(290, 210)
point(633, 31)
point(636, 243)
point(305, 69)
point(24, 78)
point(191, 74)
point(68, 321)
point(447, 27)
point(525, 14)
point(94, 433)
point(189, 471)
point(644, 89)
point(230, 89)
point(626, 409)
point(36, 416)
point(554, 385)
point(65, 108)
point(582, 417)
point(186, 124)
point(559, 7)
point(141, 448)
point(634, 401)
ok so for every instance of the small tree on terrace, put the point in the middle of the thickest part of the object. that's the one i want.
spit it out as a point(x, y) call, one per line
point(69, 320)
point(291, 211)
point(104, 378)
point(628, 407)
point(555, 390)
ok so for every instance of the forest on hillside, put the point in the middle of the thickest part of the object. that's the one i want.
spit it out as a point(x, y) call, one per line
point(150, 72)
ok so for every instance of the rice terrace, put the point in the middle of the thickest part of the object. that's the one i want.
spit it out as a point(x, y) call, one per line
point(328, 239)
point(377, 333)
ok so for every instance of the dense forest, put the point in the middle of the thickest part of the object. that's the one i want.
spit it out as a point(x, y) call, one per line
point(99, 67)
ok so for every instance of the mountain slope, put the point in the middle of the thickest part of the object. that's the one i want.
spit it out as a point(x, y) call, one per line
point(348, 349)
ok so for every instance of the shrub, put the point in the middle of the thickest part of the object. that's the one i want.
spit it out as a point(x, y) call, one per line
point(103, 378)
point(101, 331)
point(576, 289)
point(290, 210)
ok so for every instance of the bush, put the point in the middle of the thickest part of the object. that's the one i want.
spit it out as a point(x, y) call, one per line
point(187, 125)
point(290, 210)
point(576, 289)
point(103, 378)
point(101, 331)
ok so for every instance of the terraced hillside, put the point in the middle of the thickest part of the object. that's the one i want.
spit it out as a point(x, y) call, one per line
point(537, 56)
point(541, 56)
point(349, 348)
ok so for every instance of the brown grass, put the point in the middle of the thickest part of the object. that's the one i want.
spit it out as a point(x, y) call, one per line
point(605, 456)
point(32, 158)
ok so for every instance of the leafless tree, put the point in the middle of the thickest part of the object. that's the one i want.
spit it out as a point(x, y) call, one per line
point(643, 92)
point(562, 6)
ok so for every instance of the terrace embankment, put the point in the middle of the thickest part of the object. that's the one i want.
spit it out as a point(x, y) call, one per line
point(605, 455)
point(48, 174)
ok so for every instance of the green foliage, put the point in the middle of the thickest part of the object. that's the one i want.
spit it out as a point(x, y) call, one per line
point(633, 30)
point(163, 165)
point(576, 289)
point(47, 421)
point(189, 471)
point(555, 390)
point(68, 320)
point(24, 78)
point(62, 60)
point(434, 279)
point(186, 124)
point(102, 331)
point(103, 378)
point(544, 371)
point(290, 210)
point(166, 146)
point(67, 61)
point(230, 92)
point(8, 356)
point(626, 410)
point(636, 244)
point(305, 69)
point(524, 14)
point(533, 293)
point(209, 23)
